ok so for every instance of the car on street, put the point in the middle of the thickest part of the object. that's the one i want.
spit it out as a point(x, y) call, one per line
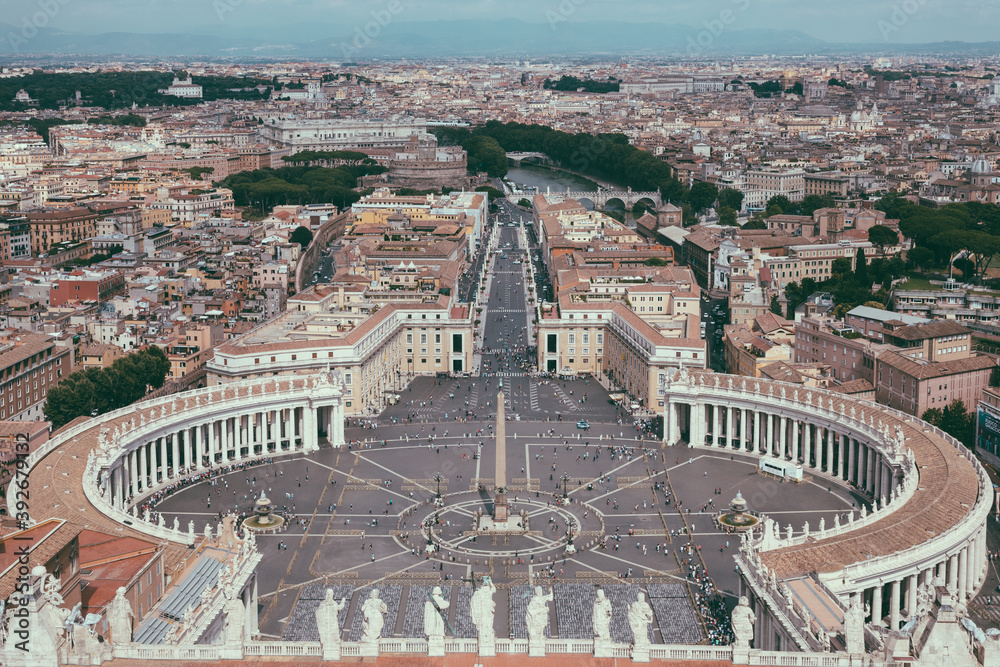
point(582, 424)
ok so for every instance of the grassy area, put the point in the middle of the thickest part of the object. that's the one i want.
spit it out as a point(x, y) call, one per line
point(917, 283)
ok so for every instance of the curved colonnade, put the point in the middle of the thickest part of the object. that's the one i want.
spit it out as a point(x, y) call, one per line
point(134, 452)
point(930, 496)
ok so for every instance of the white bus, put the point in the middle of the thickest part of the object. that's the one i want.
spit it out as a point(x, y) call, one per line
point(784, 469)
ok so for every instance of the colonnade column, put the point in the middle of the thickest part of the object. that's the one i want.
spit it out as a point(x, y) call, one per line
point(142, 466)
point(851, 444)
point(829, 451)
point(757, 418)
point(796, 445)
point(770, 444)
point(133, 469)
point(177, 452)
point(877, 604)
point(743, 442)
point(782, 437)
point(911, 594)
point(841, 464)
point(730, 427)
point(717, 425)
point(894, 606)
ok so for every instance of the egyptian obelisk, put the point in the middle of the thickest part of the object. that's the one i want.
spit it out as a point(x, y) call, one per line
point(500, 503)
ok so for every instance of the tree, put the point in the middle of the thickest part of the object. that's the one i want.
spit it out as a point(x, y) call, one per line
point(127, 380)
point(775, 305)
point(954, 420)
point(841, 267)
point(756, 222)
point(920, 257)
point(861, 268)
point(814, 202)
point(702, 196)
point(524, 203)
point(783, 203)
point(727, 216)
point(731, 197)
point(302, 236)
point(674, 192)
point(882, 237)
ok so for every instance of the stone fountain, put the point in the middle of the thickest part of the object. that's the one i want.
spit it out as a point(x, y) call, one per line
point(737, 518)
point(264, 520)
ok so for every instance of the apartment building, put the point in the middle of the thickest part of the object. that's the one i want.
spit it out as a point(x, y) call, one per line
point(68, 225)
point(916, 385)
point(821, 340)
point(85, 285)
point(29, 365)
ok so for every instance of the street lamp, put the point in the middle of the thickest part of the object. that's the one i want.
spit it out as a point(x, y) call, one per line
point(565, 484)
point(437, 478)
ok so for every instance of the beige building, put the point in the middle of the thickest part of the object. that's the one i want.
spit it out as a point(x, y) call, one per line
point(634, 350)
point(375, 348)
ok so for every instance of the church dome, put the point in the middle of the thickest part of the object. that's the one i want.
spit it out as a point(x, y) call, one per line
point(982, 166)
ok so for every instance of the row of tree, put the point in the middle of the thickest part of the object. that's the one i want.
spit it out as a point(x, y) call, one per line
point(265, 188)
point(573, 84)
point(126, 381)
point(941, 234)
point(120, 90)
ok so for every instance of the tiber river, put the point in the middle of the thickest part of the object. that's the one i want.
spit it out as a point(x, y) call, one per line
point(558, 181)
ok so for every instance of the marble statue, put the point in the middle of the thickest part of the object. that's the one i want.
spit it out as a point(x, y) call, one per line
point(227, 535)
point(743, 620)
point(120, 617)
point(824, 640)
point(640, 615)
point(434, 620)
point(208, 531)
point(328, 624)
point(373, 610)
point(536, 618)
point(854, 625)
point(822, 524)
point(482, 608)
point(602, 618)
point(235, 618)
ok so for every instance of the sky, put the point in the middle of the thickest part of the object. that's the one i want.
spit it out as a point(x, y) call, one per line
point(843, 21)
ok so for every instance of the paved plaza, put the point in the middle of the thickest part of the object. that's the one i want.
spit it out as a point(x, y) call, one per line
point(639, 515)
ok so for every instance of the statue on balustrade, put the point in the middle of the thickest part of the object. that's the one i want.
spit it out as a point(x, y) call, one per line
point(120, 615)
point(235, 618)
point(482, 609)
point(602, 618)
point(743, 620)
point(537, 616)
point(328, 625)
point(640, 615)
point(373, 611)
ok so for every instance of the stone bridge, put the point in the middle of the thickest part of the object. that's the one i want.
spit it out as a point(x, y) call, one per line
point(628, 198)
point(517, 158)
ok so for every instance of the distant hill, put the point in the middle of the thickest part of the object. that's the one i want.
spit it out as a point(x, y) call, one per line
point(472, 38)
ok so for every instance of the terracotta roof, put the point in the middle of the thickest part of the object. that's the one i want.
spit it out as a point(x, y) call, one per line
point(932, 329)
point(923, 370)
